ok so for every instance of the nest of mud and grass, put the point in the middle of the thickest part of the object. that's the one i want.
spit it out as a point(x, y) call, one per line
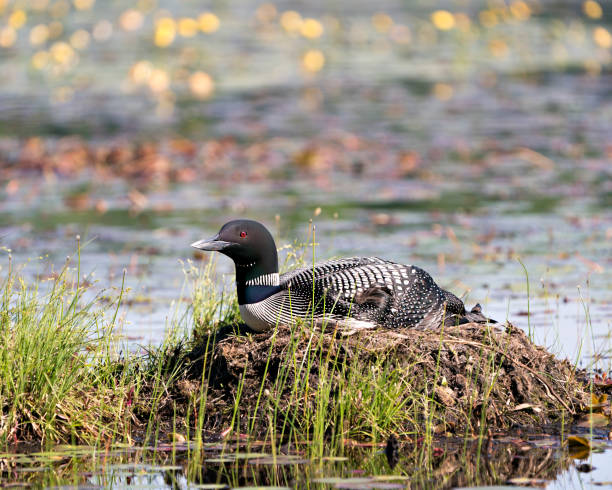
point(460, 380)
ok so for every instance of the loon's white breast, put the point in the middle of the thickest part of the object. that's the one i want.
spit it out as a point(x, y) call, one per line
point(257, 317)
point(254, 315)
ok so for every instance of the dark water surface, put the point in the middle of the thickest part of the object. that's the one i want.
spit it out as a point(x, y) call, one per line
point(525, 460)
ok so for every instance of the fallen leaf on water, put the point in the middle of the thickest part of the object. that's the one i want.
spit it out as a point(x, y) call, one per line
point(599, 401)
point(176, 437)
point(593, 266)
point(579, 447)
point(594, 420)
point(578, 441)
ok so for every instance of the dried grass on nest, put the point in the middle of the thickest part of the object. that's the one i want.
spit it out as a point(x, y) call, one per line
point(458, 379)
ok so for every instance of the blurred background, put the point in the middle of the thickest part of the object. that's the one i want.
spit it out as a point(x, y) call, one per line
point(458, 135)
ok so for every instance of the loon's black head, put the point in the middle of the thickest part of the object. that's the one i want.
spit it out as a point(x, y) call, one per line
point(249, 244)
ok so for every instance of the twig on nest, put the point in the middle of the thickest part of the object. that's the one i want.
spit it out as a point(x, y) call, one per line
point(549, 389)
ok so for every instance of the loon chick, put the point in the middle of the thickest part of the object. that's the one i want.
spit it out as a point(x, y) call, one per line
point(357, 292)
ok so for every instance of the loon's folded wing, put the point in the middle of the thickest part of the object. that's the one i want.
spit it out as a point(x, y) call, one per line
point(343, 287)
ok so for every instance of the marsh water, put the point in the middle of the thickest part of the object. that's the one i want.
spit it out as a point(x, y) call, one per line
point(526, 460)
point(483, 156)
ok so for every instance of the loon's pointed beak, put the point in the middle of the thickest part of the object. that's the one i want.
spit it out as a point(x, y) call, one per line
point(212, 244)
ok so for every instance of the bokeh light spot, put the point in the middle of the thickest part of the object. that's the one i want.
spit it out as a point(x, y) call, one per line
point(443, 20)
point(103, 30)
point(8, 36)
point(17, 19)
point(36, 4)
point(39, 34)
point(201, 85)
point(208, 22)
point(40, 59)
point(188, 27)
point(131, 20)
point(59, 9)
point(463, 21)
point(61, 52)
point(313, 60)
point(311, 28)
point(80, 39)
point(443, 91)
point(382, 22)
point(83, 4)
point(140, 73)
point(487, 18)
point(592, 9)
point(165, 31)
point(498, 48)
point(602, 37)
point(520, 10)
point(159, 81)
point(266, 12)
point(146, 5)
point(291, 21)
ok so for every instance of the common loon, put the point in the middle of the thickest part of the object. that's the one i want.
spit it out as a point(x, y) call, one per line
point(356, 292)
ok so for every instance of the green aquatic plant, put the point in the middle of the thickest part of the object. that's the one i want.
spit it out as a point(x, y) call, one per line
point(61, 378)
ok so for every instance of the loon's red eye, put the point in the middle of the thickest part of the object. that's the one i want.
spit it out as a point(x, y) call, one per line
point(243, 234)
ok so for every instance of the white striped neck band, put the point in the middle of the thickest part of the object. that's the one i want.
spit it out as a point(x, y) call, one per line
point(264, 280)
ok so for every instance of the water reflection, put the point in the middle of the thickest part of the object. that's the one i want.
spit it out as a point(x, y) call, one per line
point(502, 460)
